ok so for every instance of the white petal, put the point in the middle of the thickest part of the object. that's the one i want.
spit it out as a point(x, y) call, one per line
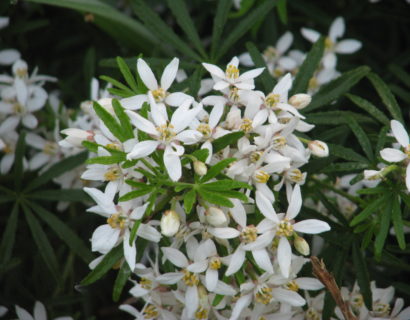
point(39, 160)
point(306, 283)
point(400, 133)
point(141, 123)
point(104, 238)
point(295, 203)
point(310, 34)
point(198, 267)
point(287, 63)
point(40, 312)
point(224, 233)
point(142, 149)
point(348, 46)
point(191, 300)
point(392, 155)
point(284, 42)
point(311, 226)
point(236, 263)
point(183, 117)
point(169, 278)
point(221, 85)
point(102, 200)
point(189, 136)
point(205, 250)
point(134, 102)
point(329, 60)
point(22, 314)
point(177, 98)
point(216, 115)
point(263, 260)
point(214, 70)
point(211, 279)
point(146, 74)
point(266, 207)
point(284, 256)
point(288, 296)
point(9, 56)
point(261, 242)
point(176, 257)
point(238, 213)
point(172, 164)
point(130, 252)
point(408, 177)
point(241, 304)
point(169, 74)
point(35, 141)
point(30, 121)
point(250, 74)
point(21, 90)
point(337, 29)
point(148, 232)
point(283, 86)
point(130, 309)
point(138, 291)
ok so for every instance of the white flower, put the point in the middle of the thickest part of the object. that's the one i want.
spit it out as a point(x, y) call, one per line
point(170, 223)
point(39, 313)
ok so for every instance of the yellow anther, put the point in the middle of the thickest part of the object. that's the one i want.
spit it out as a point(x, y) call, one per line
point(269, 53)
point(264, 295)
point(159, 94)
point(234, 94)
point(215, 263)
point(50, 148)
point(261, 176)
point(201, 313)
point(296, 175)
point(272, 100)
point(150, 312)
point(313, 83)
point(255, 156)
point(8, 149)
point(249, 234)
point(146, 283)
point(246, 125)
point(21, 72)
point(312, 314)
point(166, 132)
point(284, 120)
point(292, 285)
point(205, 129)
point(285, 228)
point(380, 309)
point(113, 146)
point(232, 72)
point(190, 279)
point(112, 174)
point(329, 44)
point(277, 73)
point(278, 142)
point(116, 221)
point(18, 108)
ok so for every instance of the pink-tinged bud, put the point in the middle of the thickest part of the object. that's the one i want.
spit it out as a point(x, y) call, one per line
point(300, 100)
point(75, 136)
point(215, 217)
point(301, 246)
point(318, 148)
point(170, 223)
point(200, 168)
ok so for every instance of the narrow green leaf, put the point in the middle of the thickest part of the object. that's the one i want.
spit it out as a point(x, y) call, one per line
point(362, 274)
point(18, 160)
point(230, 138)
point(134, 194)
point(334, 89)
point(157, 26)
point(122, 278)
point(345, 153)
point(331, 207)
point(216, 169)
point(345, 167)
point(400, 73)
point(109, 121)
point(282, 11)
point(370, 108)
point(118, 84)
point(308, 67)
point(257, 58)
point(218, 298)
point(398, 224)
point(180, 11)
point(125, 121)
point(58, 169)
point(374, 190)
point(257, 14)
point(215, 198)
point(45, 249)
point(381, 139)
point(109, 260)
point(137, 184)
point(9, 235)
point(221, 16)
point(361, 137)
point(384, 227)
point(75, 195)
point(372, 207)
point(234, 194)
point(222, 185)
point(135, 227)
point(120, 92)
point(64, 232)
point(126, 73)
point(189, 200)
point(91, 146)
point(367, 237)
point(387, 97)
point(195, 81)
point(331, 118)
point(201, 154)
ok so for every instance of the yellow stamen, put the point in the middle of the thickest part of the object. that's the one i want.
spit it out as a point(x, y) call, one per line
point(272, 100)
point(292, 285)
point(150, 312)
point(116, 221)
point(205, 129)
point(201, 313)
point(190, 279)
point(261, 176)
point(159, 94)
point(285, 228)
point(232, 72)
point(215, 263)
point(249, 234)
point(279, 142)
point(146, 283)
point(264, 295)
point(329, 44)
point(312, 314)
point(112, 174)
point(255, 156)
point(166, 132)
point(50, 148)
point(246, 125)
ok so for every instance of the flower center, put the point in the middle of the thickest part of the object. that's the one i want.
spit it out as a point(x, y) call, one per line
point(279, 142)
point(159, 94)
point(18, 108)
point(116, 221)
point(150, 312)
point(205, 129)
point(201, 313)
point(329, 44)
point(292, 285)
point(50, 148)
point(381, 309)
point(190, 278)
point(269, 53)
point(261, 176)
point(264, 295)
point(272, 100)
point(285, 228)
point(248, 234)
point(166, 132)
point(113, 146)
point(215, 263)
point(21, 72)
point(232, 72)
point(312, 314)
point(246, 125)
point(7, 148)
point(112, 174)
point(296, 175)
point(255, 156)
point(277, 73)
point(146, 283)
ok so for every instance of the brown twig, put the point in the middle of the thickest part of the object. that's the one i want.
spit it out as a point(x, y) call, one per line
point(320, 272)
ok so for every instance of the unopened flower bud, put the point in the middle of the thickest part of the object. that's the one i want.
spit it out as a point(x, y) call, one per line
point(75, 136)
point(301, 246)
point(300, 100)
point(215, 217)
point(170, 223)
point(318, 148)
point(373, 174)
point(200, 168)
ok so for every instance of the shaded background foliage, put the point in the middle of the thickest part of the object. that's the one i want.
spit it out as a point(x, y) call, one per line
point(75, 46)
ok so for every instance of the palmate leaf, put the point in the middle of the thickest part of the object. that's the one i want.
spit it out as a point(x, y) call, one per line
point(362, 274)
point(267, 80)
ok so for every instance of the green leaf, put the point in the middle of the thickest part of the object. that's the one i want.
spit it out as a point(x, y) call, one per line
point(216, 169)
point(375, 190)
point(267, 79)
point(18, 160)
point(137, 184)
point(180, 11)
point(381, 139)
point(9, 235)
point(135, 194)
point(230, 138)
point(334, 89)
point(370, 108)
point(45, 249)
point(362, 274)
point(122, 278)
point(125, 121)
point(387, 97)
point(282, 11)
point(189, 200)
point(109, 260)
point(136, 225)
point(126, 73)
point(195, 81)
point(107, 159)
point(367, 237)
point(234, 194)
point(127, 91)
point(157, 25)
point(345, 153)
point(244, 25)
point(57, 169)
point(109, 121)
point(222, 185)
point(372, 207)
point(201, 154)
point(64, 232)
point(91, 146)
point(361, 137)
point(218, 298)
point(400, 73)
point(308, 67)
point(75, 195)
point(398, 224)
point(215, 198)
point(384, 227)
point(221, 16)
point(336, 117)
point(345, 167)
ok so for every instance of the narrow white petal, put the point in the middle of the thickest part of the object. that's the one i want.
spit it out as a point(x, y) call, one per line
point(101, 199)
point(306, 283)
point(241, 304)
point(284, 42)
point(130, 252)
point(143, 149)
point(288, 296)
point(134, 102)
point(283, 86)
point(250, 74)
point(214, 70)
point(261, 242)
point(348, 46)
point(40, 312)
point(337, 29)
point(30, 121)
point(211, 279)
point(35, 141)
point(158, 113)
point(238, 213)
point(169, 74)
point(176, 257)
point(236, 263)
point(224, 233)
point(266, 207)
point(175, 99)
point(22, 314)
point(170, 278)
point(216, 115)
point(392, 155)
point(205, 250)
point(172, 164)
point(221, 85)
point(130, 309)
point(310, 34)
point(146, 74)
point(189, 136)
point(148, 232)
point(191, 300)
point(295, 203)
point(408, 177)
point(284, 256)
point(104, 238)
point(263, 260)
point(311, 226)
point(198, 267)
point(181, 120)
point(400, 133)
